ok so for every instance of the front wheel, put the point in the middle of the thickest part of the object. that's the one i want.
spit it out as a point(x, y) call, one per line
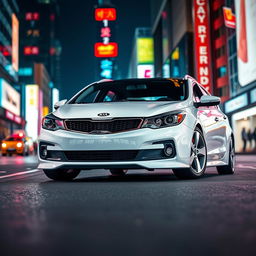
point(118, 172)
point(198, 158)
point(61, 174)
point(230, 167)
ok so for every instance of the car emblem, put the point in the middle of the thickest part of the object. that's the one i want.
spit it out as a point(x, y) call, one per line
point(103, 114)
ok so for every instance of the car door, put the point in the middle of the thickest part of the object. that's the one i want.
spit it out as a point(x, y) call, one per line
point(214, 126)
point(207, 117)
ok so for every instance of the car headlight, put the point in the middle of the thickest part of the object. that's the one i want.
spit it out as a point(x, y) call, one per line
point(4, 145)
point(52, 123)
point(164, 120)
point(19, 145)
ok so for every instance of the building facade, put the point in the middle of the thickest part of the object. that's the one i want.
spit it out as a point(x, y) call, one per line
point(142, 59)
point(40, 52)
point(214, 41)
point(10, 93)
point(241, 108)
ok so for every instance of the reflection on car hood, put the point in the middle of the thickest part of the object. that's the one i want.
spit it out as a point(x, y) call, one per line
point(117, 109)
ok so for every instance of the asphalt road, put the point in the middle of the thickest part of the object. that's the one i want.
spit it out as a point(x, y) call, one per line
point(144, 213)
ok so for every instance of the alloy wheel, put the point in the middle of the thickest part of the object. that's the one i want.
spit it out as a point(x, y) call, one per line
point(232, 156)
point(198, 153)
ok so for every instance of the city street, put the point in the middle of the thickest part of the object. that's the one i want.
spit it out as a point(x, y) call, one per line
point(143, 213)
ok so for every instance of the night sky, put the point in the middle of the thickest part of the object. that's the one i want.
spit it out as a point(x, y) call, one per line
point(78, 35)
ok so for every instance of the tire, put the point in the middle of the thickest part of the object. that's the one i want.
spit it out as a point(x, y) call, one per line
point(118, 172)
point(61, 174)
point(4, 154)
point(230, 167)
point(198, 158)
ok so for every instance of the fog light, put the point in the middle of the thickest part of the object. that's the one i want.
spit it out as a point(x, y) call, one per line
point(168, 150)
point(44, 152)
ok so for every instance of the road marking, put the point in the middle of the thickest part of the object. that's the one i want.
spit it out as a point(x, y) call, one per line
point(18, 174)
point(246, 166)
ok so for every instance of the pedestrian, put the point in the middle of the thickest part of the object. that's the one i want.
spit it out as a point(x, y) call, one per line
point(244, 138)
point(250, 137)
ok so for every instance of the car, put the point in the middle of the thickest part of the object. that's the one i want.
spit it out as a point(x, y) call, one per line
point(15, 144)
point(129, 124)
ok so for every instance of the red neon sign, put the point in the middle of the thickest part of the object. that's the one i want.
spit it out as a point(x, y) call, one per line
point(109, 50)
point(229, 18)
point(31, 50)
point(105, 14)
point(202, 44)
point(32, 16)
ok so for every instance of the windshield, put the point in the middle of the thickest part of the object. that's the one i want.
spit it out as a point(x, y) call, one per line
point(12, 139)
point(118, 91)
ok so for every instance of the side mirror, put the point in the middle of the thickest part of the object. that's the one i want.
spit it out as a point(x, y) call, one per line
point(208, 100)
point(59, 104)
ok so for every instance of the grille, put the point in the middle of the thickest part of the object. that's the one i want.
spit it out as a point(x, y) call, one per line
point(112, 126)
point(106, 155)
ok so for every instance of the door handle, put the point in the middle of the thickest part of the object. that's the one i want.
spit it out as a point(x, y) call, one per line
point(217, 119)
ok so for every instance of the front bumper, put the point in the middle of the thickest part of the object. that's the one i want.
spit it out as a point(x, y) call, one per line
point(142, 140)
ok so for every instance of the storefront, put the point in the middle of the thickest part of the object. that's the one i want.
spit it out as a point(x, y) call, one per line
point(10, 119)
point(241, 111)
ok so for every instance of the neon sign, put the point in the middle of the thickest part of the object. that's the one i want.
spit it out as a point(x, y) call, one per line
point(31, 50)
point(202, 44)
point(105, 50)
point(32, 16)
point(229, 18)
point(105, 14)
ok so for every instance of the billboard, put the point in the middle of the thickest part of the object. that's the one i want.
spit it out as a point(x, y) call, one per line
point(32, 110)
point(102, 50)
point(105, 48)
point(105, 14)
point(145, 71)
point(9, 97)
point(15, 43)
point(202, 44)
point(229, 17)
point(145, 50)
point(246, 40)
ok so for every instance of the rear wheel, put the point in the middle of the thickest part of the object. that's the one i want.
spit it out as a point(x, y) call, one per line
point(3, 154)
point(230, 167)
point(118, 172)
point(198, 158)
point(61, 174)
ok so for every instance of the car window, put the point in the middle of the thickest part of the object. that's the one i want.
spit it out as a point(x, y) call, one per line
point(197, 93)
point(110, 96)
point(133, 90)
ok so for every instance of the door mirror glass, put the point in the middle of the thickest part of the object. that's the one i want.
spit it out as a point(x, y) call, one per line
point(208, 100)
point(59, 104)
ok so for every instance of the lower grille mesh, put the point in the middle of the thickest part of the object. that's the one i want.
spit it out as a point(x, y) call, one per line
point(104, 155)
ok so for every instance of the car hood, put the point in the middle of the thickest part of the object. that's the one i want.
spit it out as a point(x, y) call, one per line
point(117, 109)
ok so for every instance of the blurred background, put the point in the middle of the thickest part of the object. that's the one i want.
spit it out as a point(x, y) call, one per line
point(50, 49)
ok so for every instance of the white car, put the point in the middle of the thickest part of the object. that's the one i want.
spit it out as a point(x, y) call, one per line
point(137, 124)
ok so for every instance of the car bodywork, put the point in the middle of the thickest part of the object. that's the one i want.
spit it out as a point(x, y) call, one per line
point(146, 144)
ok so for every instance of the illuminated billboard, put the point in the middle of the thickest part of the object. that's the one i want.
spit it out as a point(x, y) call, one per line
point(15, 43)
point(102, 50)
point(31, 110)
point(145, 50)
point(246, 40)
point(9, 97)
point(55, 97)
point(105, 14)
point(202, 44)
point(229, 18)
point(145, 71)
